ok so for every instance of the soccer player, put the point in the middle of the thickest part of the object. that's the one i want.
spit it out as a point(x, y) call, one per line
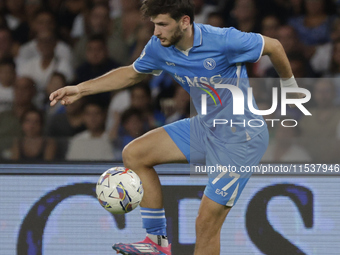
point(200, 58)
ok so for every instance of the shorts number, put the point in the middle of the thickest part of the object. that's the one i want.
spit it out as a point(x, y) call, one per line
point(231, 174)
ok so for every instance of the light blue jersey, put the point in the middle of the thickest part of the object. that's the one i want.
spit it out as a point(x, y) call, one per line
point(217, 57)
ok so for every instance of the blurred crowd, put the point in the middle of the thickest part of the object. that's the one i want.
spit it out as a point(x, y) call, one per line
point(48, 44)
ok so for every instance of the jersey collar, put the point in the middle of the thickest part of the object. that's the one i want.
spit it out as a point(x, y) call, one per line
point(197, 40)
point(197, 35)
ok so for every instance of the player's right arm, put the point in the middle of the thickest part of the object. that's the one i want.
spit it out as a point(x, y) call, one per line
point(116, 79)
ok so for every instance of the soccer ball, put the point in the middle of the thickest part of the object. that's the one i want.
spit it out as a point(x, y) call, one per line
point(119, 190)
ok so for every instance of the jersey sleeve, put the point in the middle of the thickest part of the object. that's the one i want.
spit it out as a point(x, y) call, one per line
point(147, 61)
point(243, 47)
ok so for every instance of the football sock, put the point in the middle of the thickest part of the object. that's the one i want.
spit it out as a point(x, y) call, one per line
point(154, 222)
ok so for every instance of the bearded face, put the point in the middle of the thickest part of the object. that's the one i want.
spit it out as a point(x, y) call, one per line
point(174, 38)
point(167, 30)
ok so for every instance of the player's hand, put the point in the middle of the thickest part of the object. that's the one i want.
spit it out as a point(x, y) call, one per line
point(295, 96)
point(66, 95)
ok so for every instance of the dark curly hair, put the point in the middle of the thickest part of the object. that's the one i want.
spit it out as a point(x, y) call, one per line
point(175, 8)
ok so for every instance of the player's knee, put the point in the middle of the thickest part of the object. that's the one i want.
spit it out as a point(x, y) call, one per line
point(128, 155)
point(210, 218)
point(132, 155)
point(206, 226)
point(202, 220)
point(201, 224)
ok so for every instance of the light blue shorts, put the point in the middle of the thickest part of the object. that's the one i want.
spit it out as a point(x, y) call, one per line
point(228, 165)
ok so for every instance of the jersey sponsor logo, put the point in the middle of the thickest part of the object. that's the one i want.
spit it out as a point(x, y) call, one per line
point(209, 64)
point(201, 82)
point(179, 79)
point(170, 63)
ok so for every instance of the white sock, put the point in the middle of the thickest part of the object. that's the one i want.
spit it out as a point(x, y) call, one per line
point(158, 239)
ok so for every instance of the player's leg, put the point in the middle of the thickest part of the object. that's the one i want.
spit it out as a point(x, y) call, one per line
point(211, 216)
point(224, 188)
point(169, 144)
point(141, 155)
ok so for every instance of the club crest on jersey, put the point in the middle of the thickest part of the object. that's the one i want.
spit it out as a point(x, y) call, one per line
point(209, 64)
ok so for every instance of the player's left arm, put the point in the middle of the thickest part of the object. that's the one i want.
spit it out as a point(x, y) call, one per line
point(274, 50)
